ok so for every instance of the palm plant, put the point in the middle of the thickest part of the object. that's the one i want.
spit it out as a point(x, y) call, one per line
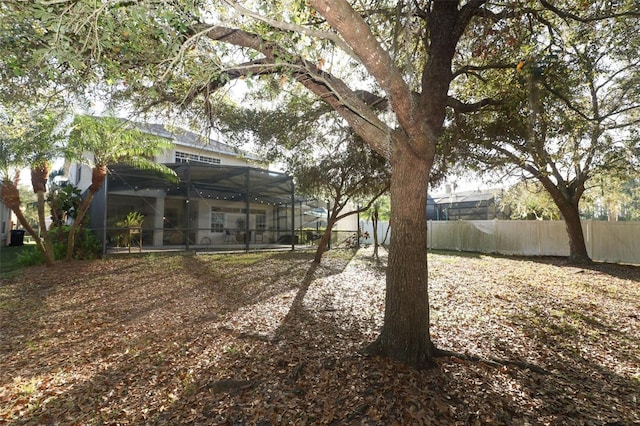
point(110, 140)
point(29, 138)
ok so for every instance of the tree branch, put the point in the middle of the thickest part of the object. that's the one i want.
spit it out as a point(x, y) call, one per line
point(286, 26)
point(329, 88)
point(566, 101)
point(568, 15)
point(468, 68)
point(369, 204)
point(357, 33)
point(462, 107)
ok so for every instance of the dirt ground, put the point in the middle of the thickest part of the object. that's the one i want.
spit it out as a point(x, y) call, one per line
point(269, 339)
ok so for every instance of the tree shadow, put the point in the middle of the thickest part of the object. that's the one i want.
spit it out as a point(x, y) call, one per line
point(578, 376)
point(621, 271)
point(57, 316)
point(178, 358)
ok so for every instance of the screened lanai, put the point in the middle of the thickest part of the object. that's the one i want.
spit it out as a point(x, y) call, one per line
point(213, 207)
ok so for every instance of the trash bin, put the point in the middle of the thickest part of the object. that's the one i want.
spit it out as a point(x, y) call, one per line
point(17, 237)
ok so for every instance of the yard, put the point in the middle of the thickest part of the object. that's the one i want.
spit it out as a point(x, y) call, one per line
point(268, 339)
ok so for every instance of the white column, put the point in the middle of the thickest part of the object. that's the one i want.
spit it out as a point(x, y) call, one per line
point(158, 222)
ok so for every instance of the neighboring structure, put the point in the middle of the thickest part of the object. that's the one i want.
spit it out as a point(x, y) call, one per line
point(224, 200)
point(7, 222)
point(467, 205)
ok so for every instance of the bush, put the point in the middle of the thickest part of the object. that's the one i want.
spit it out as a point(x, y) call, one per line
point(87, 247)
point(30, 256)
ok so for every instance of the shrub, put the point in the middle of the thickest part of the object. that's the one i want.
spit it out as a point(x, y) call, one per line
point(30, 256)
point(87, 247)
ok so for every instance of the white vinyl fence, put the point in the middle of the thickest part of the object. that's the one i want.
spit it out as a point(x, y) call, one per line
point(616, 242)
point(383, 231)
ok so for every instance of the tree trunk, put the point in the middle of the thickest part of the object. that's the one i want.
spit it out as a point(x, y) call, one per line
point(386, 234)
point(98, 176)
point(11, 198)
point(405, 334)
point(73, 229)
point(568, 206)
point(324, 240)
point(374, 222)
point(577, 246)
point(39, 178)
point(48, 244)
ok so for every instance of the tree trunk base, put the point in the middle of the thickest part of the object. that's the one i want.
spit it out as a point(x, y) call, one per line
point(421, 359)
point(579, 260)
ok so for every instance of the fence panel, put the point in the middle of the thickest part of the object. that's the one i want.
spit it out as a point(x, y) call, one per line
point(443, 236)
point(383, 231)
point(606, 241)
point(617, 242)
point(477, 235)
point(521, 238)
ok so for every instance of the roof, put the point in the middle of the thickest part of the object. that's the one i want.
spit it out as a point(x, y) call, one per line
point(232, 183)
point(465, 196)
point(194, 140)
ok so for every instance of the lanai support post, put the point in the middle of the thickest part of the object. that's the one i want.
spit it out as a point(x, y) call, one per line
point(293, 215)
point(104, 217)
point(188, 209)
point(247, 235)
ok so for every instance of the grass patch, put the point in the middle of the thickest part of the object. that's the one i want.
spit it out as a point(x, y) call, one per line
point(9, 259)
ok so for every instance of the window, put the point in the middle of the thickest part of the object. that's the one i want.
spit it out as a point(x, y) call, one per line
point(217, 220)
point(261, 221)
point(185, 157)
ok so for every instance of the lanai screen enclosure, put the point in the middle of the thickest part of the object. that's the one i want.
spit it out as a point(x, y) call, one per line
point(212, 206)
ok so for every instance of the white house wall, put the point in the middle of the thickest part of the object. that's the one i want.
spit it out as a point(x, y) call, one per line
point(80, 174)
point(7, 222)
point(226, 159)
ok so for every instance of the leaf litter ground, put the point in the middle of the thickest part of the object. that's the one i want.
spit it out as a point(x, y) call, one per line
point(271, 339)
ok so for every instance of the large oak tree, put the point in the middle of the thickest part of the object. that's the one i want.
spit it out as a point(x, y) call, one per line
point(571, 115)
point(388, 69)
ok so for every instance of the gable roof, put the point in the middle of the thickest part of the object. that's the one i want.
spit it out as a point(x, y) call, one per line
point(465, 196)
point(193, 140)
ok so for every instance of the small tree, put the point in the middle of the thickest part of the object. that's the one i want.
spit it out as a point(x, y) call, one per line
point(569, 118)
point(528, 200)
point(30, 138)
point(379, 210)
point(348, 172)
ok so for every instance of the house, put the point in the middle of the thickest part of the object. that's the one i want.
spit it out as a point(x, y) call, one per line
point(225, 199)
point(8, 221)
point(465, 205)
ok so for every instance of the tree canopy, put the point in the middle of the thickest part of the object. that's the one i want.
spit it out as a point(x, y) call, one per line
point(571, 114)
